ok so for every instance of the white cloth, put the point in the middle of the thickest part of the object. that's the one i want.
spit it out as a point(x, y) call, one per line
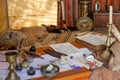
point(37, 62)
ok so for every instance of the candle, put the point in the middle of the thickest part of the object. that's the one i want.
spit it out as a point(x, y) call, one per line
point(110, 14)
point(63, 10)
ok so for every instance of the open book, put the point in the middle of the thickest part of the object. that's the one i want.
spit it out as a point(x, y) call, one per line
point(93, 40)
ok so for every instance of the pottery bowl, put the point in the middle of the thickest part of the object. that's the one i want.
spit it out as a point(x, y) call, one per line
point(51, 73)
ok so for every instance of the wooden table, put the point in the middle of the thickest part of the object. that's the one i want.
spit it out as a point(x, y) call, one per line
point(72, 74)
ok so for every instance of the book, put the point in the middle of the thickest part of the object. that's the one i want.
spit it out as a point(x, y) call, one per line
point(93, 40)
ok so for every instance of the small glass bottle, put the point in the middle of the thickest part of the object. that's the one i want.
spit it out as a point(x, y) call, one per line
point(33, 49)
point(31, 71)
point(97, 6)
point(18, 67)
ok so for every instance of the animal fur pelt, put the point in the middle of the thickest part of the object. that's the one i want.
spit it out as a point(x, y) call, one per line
point(12, 37)
point(54, 29)
point(114, 62)
point(104, 74)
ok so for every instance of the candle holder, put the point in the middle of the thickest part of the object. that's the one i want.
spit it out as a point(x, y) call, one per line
point(11, 58)
point(84, 7)
point(107, 53)
point(84, 23)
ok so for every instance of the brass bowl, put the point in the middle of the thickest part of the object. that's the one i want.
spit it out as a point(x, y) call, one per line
point(51, 73)
point(11, 57)
point(84, 24)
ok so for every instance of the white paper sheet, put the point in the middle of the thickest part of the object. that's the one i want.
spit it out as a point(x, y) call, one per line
point(95, 39)
point(3, 74)
point(4, 65)
point(66, 48)
point(2, 57)
point(37, 62)
point(81, 52)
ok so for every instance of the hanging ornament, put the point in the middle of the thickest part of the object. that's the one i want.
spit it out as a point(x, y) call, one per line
point(97, 6)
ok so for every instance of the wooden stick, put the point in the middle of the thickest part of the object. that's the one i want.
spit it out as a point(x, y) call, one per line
point(54, 53)
point(33, 54)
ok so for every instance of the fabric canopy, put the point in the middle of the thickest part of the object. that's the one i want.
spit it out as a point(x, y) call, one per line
point(30, 13)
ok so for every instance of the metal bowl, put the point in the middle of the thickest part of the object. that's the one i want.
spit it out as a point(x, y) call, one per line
point(51, 73)
point(84, 24)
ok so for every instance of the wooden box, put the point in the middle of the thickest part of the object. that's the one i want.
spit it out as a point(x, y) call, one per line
point(101, 20)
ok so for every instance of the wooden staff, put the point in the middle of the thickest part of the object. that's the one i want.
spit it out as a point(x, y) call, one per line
point(63, 14)
point(59, 12)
